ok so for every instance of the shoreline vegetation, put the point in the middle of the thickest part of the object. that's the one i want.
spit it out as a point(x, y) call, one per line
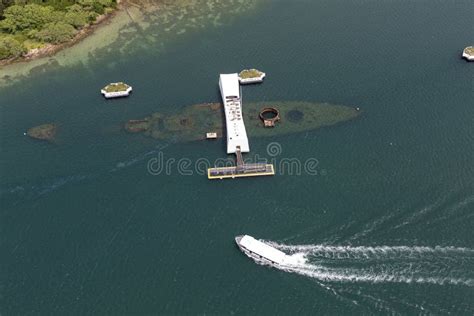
point(29, 30)
point(157, 22)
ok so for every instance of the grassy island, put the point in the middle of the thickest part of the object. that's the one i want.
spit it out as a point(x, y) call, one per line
point(250, 73)
point(30, 24)
point(469, 50)
point(116, 87)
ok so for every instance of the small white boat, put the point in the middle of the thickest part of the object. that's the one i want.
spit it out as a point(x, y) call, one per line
point(261, 252)
point(211, 135)
point(116, 90)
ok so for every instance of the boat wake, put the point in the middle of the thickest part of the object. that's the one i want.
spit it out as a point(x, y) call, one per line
point(16, 193)
point(381, 264)
point(20, 191)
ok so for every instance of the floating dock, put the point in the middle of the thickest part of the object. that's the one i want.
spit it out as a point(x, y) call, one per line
point(241, 170)
point(248, 170)
point(237, 140)
point(116, 90)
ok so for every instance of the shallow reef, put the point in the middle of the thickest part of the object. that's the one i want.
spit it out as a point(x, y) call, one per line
point(43, 132)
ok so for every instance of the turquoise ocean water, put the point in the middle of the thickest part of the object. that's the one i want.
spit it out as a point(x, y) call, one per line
point(384, 226)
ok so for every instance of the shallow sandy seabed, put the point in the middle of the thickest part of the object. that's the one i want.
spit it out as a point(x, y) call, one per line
point(79, 53)
point(158, 21)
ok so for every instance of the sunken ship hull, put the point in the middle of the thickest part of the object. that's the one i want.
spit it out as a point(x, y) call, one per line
point(193, 122)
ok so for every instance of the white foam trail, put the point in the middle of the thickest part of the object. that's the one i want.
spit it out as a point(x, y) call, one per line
point(370, 227)
point(341, 275)
point(417, 215)
point(344, 252)
point(132, 161)
point(306, 260)
point(296, 259)
point(454, 209)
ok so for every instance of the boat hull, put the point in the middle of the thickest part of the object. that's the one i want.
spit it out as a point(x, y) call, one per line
point(257, 258)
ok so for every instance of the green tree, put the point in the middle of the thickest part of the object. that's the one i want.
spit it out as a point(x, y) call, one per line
point(10, 47)
point(74, 8)
point(97, 6)
point(30, 16)
point(56, 32)
point(76, 16)
point(51, 21)
point(3, 5)
point(57, 16)
point(92, 16)
point(88, 5)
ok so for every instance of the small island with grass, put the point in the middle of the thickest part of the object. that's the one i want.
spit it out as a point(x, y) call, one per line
point(468, 53)
point(248, 76)
point(116, 90)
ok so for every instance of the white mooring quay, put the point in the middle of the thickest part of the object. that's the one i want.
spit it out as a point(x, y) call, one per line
point(236, 133)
